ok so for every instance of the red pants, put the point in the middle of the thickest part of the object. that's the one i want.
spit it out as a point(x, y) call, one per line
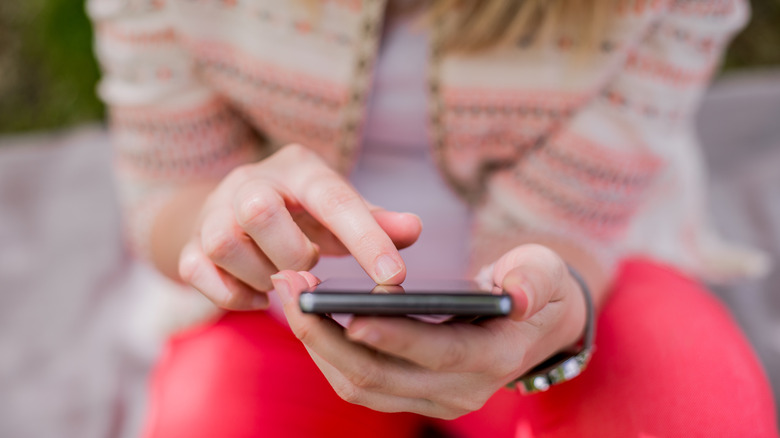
point(669, 362)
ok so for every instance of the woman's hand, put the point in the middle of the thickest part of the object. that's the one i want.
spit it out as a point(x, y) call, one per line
point(282, 213)
point(447, 370)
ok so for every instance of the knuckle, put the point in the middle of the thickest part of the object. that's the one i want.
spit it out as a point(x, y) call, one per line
point(333, 198)
point(302, 328)
point(188, 266)
point(348, 392)
point(367, 377)
point(453, 357)
point(470, 403)
point(452, 410)
point(258, 210)
point(220, 246)
point(452, 414)
point(295, 153)
point(293, 148)
point(230, 301)
point(474, 404)
point(234, 299)
point(240, 173)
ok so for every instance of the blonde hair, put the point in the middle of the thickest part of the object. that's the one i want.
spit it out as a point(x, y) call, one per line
point(474, 25)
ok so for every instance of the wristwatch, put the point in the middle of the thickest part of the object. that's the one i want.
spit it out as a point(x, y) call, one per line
point(562, 366)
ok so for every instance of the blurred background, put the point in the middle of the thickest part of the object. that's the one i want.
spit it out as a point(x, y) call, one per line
point(72, 363)
point(48, 74)
point(47, 71)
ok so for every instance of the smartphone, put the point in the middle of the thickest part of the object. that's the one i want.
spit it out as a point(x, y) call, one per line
point(443, 299)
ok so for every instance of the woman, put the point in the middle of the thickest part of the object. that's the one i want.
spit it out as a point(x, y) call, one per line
point(566, 127)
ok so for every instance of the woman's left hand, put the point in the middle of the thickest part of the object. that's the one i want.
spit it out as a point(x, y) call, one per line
point(444, 370)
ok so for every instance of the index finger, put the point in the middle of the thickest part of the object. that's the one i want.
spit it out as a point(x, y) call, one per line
point(332, 201)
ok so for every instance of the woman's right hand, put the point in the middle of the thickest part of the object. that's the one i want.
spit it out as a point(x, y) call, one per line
point(282, 213)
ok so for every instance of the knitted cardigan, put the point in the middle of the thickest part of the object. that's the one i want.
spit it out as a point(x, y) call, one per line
point(593, 145)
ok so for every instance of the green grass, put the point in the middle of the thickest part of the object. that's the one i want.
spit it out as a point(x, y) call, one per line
point(48, 73)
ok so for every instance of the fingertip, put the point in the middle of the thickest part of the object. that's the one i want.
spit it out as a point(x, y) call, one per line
point(389, 269)
point(295, 281)
point(415, 225)
point(310, 278)
point(413, 218)
point(188, 262)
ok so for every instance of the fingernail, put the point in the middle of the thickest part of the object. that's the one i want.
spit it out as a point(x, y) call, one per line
point(519, 291)
point(520, 303)
point(386, 268)
point(282, 287)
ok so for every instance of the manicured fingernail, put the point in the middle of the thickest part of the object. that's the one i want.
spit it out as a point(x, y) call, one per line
point(519, 291)
point(520, 302)
point(386, 268)
point(282, 287)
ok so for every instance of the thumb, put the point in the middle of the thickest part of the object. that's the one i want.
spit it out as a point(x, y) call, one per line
point(533, 275)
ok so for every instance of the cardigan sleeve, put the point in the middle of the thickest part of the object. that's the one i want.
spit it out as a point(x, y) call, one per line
point(167, 127)
point(625, 174)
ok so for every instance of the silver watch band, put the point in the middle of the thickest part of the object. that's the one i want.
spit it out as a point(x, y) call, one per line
point(565, 365)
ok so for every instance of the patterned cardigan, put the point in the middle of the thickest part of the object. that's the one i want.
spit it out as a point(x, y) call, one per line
point(596, 146)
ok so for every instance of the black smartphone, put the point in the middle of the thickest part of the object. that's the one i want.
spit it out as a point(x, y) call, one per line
point(443, 298)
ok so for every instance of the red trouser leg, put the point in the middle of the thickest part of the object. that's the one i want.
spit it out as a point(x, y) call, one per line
point(669, 361)
point(248, 376)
